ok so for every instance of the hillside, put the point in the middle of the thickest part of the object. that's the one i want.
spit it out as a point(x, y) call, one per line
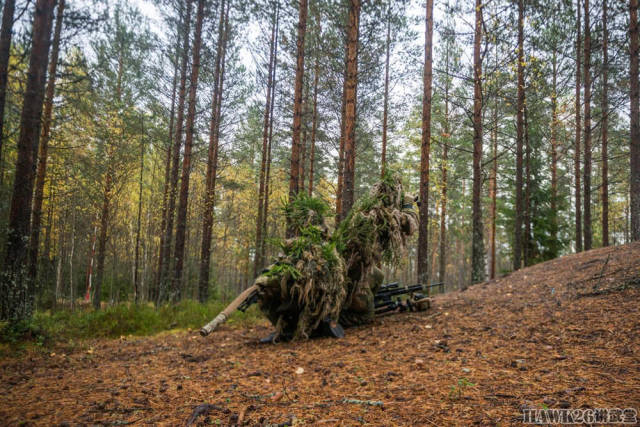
point(561, 334)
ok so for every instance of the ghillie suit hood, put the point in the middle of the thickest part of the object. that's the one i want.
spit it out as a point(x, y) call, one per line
point(317, 274)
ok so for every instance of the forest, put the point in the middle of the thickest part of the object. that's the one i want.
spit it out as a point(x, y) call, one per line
point(153, 154)
point(148, 147)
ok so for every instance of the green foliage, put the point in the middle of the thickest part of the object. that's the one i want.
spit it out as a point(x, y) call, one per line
point(123, 319)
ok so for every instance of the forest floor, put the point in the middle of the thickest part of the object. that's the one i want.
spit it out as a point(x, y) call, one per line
point(562, 334)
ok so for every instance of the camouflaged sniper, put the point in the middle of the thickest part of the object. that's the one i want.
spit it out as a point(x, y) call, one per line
point(327, 278)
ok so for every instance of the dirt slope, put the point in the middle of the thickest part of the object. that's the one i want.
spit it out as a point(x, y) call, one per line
point(565, 333)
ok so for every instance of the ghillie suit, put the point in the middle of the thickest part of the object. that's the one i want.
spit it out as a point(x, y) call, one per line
point(320, 278)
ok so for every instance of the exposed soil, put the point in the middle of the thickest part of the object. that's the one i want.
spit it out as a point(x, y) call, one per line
point(562, 334)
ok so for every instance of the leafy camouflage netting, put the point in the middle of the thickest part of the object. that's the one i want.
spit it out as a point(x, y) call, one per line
point(319, 276)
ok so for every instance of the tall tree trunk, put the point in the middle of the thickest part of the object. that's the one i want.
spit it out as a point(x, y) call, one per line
point(634, 99)
point(175, 161)
point(343, 111)
point(136, 267)
point(102, 239)
point(605, 124)
point(36, 219)
point(212, 155)
point(527, 193)
point(154, 292)
point(517, 234)
point(17, 290)
point(294, 179)
point(493, 188)
point(350, 101)
point(267, 193)
point(587, 129)
point(425, 147)
point(314, 121)
point(262, 195)
point(477, 250)
point(303, 140)
point(5, 51)
point(385, 111)
point(554, 152)
point(442, 268)
point(181, 222)
point(577, 149)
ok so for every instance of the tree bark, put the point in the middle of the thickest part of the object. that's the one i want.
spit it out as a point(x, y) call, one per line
point(445, 166)
point(294, 179)
point(587, 130)
point(102, 239)
point(212, 155)
point(175, 162)
point(425, 148)
point(634, 99)
point(36, 219)
point(605, 124)
point(517, 235)
point(17, 293)
point(350, 101)
point(5, 52)
point(477, 251)
point(578, 142)
point(181, 222)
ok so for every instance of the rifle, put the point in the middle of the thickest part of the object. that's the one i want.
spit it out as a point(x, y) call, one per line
point(242, 302)
point(384, 302)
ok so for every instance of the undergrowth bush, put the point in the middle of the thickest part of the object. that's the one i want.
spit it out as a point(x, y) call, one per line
point(47, 327)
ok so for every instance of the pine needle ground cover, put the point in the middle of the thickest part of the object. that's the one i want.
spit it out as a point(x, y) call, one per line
point(560, 334)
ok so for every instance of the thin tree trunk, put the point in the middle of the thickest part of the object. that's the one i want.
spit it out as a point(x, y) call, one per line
point(303, 140)
point(445, 167)
point(554, 152)
point(136, 269)
point(577, 149)
point(634, 99)
point(427, 79)
point(72, 293)
point(314, 122)
point(92, 254)
point(175, 161)
point(343, 111)
point(153, 294)
point(493, 188)
point(350, 101)
point(517, 235)
point(587, 130)
point(605, 124)
point(181, 222)
point(5, 51)
point(267, 186)
point(385, 111)
point(294, 179)
point(477, 252)
point(17, 290)
point(102, 239)
point(527, 193)
point(262, 190)
point(36, 219)
point(212, 159)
